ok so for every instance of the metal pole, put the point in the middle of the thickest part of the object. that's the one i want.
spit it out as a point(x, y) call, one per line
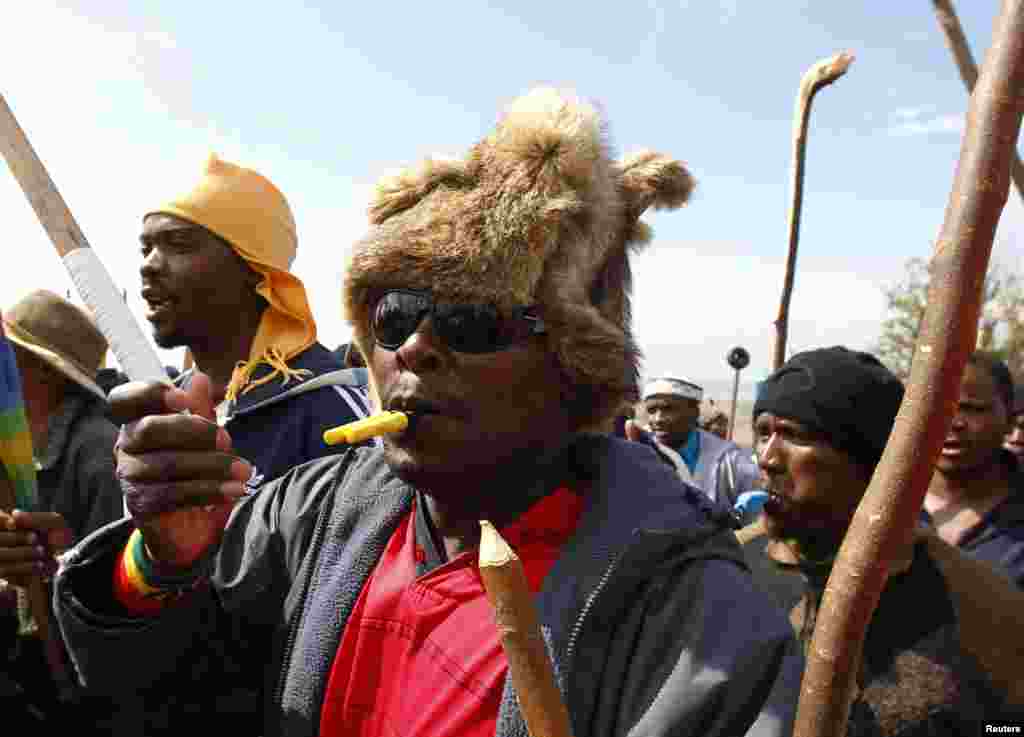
point(739, 359)
point(732, 409)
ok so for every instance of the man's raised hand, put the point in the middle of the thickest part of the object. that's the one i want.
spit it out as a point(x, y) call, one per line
point(179, 477)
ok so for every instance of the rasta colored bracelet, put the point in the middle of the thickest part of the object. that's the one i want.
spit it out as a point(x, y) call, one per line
point(140, 571)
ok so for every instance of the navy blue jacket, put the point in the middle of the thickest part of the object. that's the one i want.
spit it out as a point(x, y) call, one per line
point(999, 538)
point(278, 426)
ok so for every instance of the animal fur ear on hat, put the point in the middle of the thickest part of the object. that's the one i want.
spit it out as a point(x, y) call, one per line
point(402, 191)
point(552, 143)
point(649, 179)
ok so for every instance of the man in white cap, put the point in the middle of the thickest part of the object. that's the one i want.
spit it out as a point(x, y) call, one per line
point(719, 467)
point(58, 351)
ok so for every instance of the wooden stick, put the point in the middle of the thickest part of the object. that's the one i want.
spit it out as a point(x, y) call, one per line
point(821, 74)
point(93, 282)
point(529, 666)
point(961, 50)
point(885, 520)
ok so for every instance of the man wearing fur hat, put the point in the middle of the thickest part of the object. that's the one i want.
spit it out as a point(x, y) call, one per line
point(718, 466)
point(58, 351)
point(490, 300)
point(215, 278)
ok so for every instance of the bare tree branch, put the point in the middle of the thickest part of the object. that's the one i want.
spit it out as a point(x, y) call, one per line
point(821, 74)
point(961, 50)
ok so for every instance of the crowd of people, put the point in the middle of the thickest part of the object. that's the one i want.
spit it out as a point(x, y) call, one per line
point(215, 564)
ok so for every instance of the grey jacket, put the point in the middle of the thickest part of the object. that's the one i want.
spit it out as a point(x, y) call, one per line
point(651, 619)
point(724, 470)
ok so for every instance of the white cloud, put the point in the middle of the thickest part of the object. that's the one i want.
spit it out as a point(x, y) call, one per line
point(918, 121)
point(912, 113)
point(161, 39)
point(694, 302)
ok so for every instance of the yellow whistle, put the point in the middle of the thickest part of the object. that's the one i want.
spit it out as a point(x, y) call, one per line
point(370, 427)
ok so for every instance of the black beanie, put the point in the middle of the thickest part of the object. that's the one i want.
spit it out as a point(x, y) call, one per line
point(848, 396)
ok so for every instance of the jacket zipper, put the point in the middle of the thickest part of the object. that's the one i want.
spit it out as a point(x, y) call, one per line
point(300, 611)
point(570, 649)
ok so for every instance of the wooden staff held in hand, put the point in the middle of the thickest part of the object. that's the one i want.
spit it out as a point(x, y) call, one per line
point(821, 74)
point(516, 617)
point(93, 282)
point(885, 520)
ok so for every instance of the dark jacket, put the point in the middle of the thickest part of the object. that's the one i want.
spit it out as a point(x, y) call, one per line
point(999, 538)
point(277, 426)
point(651, 618)
point(75, 471)
point(75, 477)
point(942, 654)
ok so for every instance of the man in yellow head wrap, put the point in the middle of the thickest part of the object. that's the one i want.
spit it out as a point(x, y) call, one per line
point(215, 278)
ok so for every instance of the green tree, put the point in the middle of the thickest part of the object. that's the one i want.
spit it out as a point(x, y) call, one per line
point(1000, 329)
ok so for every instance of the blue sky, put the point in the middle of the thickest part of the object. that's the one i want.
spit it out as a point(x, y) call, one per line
point(123, 101)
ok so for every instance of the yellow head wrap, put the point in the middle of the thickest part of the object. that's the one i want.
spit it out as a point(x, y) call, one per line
point(250, 213)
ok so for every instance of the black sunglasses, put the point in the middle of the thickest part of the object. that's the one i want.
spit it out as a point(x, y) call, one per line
point(464, 328)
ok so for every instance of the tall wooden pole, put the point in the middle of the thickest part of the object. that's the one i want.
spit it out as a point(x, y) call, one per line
point(885, 520)
point(821, 74)
point(961, 50)
point(92, 281)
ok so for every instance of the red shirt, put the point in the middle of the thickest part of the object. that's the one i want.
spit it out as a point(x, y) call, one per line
point(421, 656)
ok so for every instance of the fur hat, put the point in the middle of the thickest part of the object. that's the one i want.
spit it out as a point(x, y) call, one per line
point(536, 213)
